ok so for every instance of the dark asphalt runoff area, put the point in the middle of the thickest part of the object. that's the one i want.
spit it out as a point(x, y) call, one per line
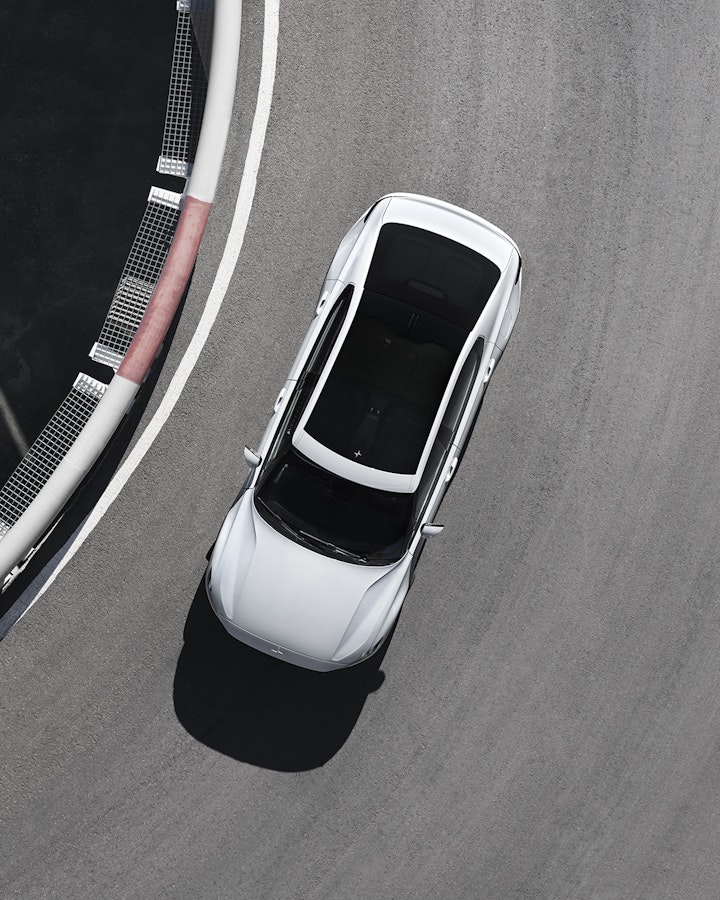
point(545, 723)
point(83, 90)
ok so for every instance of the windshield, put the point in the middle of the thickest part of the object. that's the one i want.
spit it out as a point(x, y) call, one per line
point(333, 515)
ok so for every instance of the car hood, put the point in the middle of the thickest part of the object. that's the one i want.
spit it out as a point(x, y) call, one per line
point(288, 594)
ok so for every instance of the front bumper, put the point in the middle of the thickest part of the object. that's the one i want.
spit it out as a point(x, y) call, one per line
point(290, 656)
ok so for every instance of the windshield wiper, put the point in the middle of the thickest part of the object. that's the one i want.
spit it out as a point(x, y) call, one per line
point(285, 526)
point(307, 537)
point(316, 540)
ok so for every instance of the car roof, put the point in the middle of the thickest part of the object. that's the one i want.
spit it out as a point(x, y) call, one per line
point(380, 399)
point(453, 222)
point(373, 412)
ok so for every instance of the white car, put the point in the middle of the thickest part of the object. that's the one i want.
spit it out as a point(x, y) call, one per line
point(316, 556)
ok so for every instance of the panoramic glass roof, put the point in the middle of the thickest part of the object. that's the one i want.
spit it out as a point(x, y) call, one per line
point(423, 295)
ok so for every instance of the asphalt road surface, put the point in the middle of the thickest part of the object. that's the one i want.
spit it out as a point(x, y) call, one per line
point(546, 720)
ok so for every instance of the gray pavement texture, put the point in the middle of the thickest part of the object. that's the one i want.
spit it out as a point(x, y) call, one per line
point(546, 720)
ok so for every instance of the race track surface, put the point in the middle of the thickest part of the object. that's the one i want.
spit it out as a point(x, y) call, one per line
point(545, 722)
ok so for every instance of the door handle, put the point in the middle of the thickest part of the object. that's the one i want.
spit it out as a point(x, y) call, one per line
point(451, 470)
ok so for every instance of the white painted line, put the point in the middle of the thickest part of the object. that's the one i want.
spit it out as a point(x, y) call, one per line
point(215, 299)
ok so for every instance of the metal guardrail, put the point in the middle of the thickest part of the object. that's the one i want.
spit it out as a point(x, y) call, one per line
point(189, 82)
point(43, 457)
point(139, 277)
point(188, 87)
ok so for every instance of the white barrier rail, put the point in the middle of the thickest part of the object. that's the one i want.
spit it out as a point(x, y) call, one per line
point(161, 286)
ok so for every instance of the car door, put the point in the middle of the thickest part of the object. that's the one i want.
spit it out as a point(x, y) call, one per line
point(445, 454)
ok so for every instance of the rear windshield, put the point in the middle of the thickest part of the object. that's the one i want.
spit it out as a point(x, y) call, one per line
point(433, 272)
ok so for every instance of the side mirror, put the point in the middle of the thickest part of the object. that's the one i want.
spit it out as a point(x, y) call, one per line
point(430, 529)
point(251, 458)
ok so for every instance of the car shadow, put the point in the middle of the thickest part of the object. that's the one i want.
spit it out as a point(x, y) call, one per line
point(260, 710)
